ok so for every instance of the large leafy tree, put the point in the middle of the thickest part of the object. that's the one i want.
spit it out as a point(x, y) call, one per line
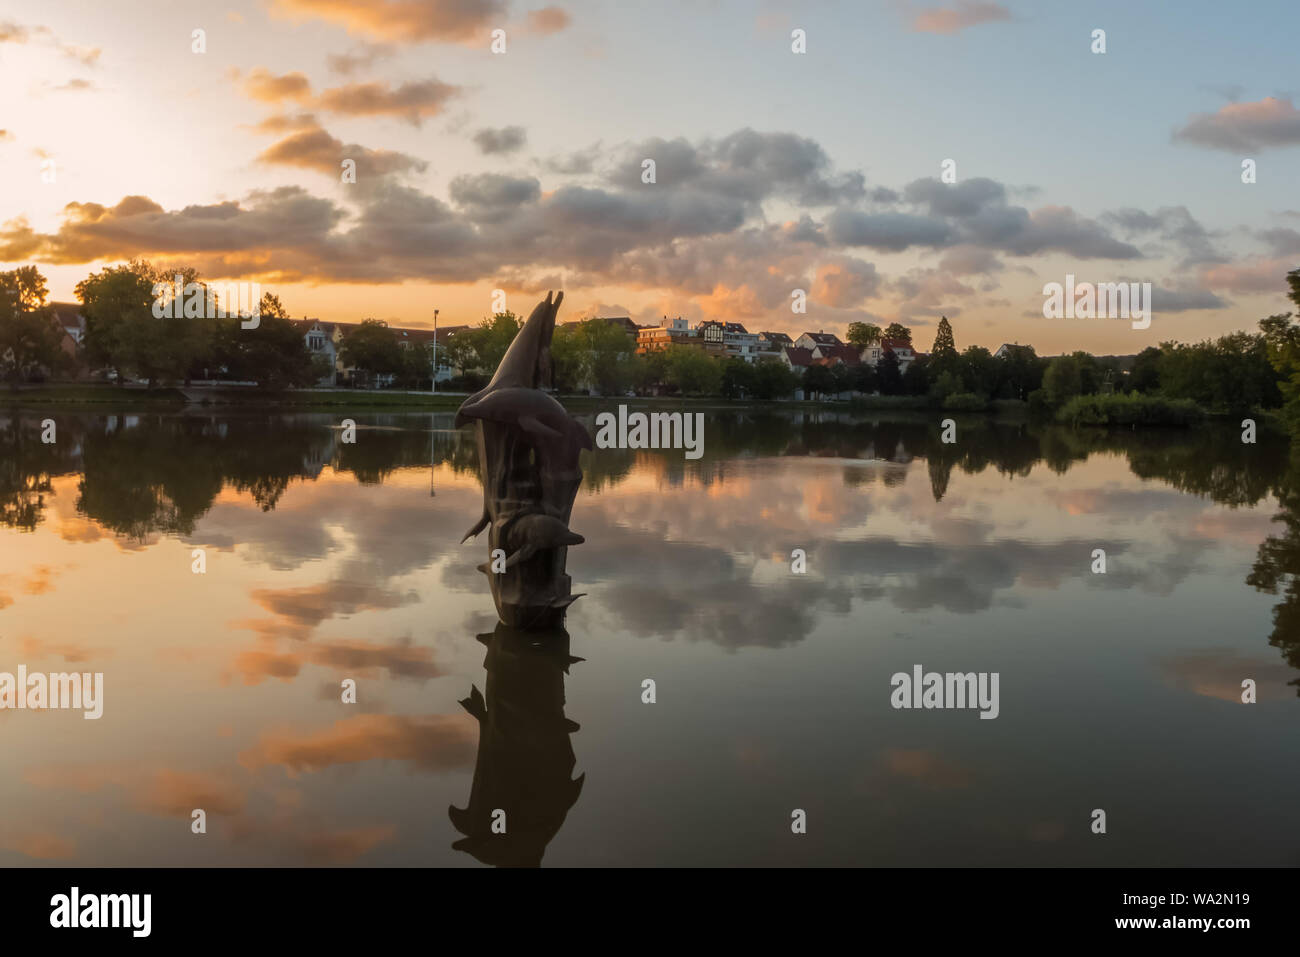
point(817, 380)
point(274, 353)
point(593, 352)
point(478, 351)
point(1283, 342)
point(899, 332)
point(692, 371)
point(862, 334)
point(1145, 375)
point(1022, 371)
point(979, 371)
point(372, 347)
point(30, 340)
point(772, 379)
point(123, 333)
point(888, 377)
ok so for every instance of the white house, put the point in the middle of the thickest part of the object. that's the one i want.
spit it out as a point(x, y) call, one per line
point(901, 348)
point(811, 340)
point(740, 342)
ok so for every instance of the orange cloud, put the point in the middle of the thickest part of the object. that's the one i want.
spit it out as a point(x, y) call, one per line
point(403, 21)
point(264, 86)
point(548, 20)
point(43, 846)
point(412, 102)
point(1272, 121)
point(730, 303)
point(178, 793)
point(429, 742)
point(927, 768)
point(967, 13)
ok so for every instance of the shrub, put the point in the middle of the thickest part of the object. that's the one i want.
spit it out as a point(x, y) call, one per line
point(1130, 409)
point(965, 402)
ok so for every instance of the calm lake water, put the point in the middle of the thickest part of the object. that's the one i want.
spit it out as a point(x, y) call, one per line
point(327, 561)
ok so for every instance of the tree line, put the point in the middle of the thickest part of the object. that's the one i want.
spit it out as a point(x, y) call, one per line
point(1237, 372)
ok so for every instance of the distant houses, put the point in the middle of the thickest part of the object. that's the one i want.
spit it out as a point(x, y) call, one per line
point(717, 338)
point(326, 339)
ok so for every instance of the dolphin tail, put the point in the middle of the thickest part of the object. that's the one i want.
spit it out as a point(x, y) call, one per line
point(475, 704)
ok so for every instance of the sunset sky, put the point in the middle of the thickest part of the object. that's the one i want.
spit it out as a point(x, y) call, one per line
point(775, 170)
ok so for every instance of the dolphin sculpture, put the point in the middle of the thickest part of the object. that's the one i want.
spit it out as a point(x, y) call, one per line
point(529, 449)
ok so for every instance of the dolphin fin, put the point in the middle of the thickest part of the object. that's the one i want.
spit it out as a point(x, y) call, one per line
point(522, 555)
point(478, 527)
point(530, 423)
point(584, 437)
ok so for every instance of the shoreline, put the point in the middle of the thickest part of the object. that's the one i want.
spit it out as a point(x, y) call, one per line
point(92, 397)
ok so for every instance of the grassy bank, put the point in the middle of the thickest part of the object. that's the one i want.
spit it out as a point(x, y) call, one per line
point(1089, 410)
point(92, 396)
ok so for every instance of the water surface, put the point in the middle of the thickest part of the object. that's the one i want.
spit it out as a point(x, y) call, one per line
point(327, 561)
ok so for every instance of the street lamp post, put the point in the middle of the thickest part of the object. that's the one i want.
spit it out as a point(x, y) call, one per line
point(433, 384)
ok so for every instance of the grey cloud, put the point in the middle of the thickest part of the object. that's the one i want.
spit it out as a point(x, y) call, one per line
point(507, 139)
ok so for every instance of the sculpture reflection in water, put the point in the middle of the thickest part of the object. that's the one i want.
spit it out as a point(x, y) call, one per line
point(525, 758)
point(529, 449)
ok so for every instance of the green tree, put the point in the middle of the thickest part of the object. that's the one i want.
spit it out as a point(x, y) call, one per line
point(1090, 372)
point(898, 331)
point(841, 378)
point(692, 371)
point(817, 380)
point(372, 348)
point(979, 371)
point(944, 345)
point(650, 370)
point(568, 357)
point(738, 377)
point(865, 379)
point(862, 334)
point(608, 351)
point(890, 380)
point(918, 376)
point(773, 379)
point(273, 354)
point(1062, 380)
point(945, 384)
point(123, 333)
point(1021, 373)
point(492, 338)
point(30, 339)
point(1145, 375)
